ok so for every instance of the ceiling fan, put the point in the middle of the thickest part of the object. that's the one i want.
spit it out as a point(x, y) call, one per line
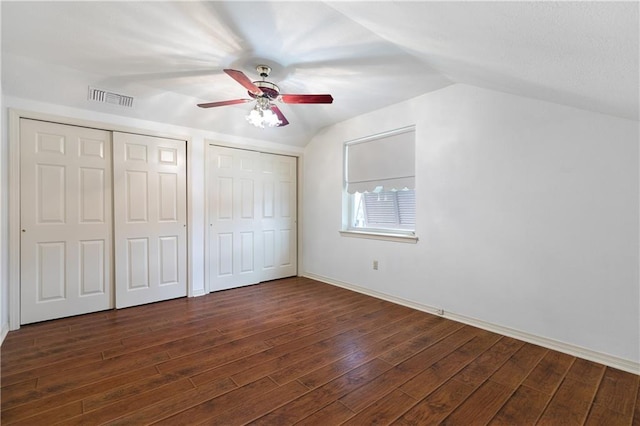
point(265, 113)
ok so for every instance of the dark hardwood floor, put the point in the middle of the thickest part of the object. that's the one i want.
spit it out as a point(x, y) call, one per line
point(296, 351)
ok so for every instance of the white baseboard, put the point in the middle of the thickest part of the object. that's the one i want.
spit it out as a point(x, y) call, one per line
point(567, 348)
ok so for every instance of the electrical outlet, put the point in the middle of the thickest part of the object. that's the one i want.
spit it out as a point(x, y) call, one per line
point(439, 311)
point(375, 265)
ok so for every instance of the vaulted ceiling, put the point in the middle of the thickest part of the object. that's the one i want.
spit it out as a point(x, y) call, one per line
point(170, 56)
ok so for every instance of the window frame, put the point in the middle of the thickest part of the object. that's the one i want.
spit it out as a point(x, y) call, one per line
point(348, 203)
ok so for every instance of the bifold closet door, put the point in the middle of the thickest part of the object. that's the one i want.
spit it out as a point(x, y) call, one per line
point(278, 216)
point(150, 218)
point(252, 217)
point(65, 219)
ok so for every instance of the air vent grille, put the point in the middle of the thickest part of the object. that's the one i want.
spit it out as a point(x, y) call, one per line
point(107, 97)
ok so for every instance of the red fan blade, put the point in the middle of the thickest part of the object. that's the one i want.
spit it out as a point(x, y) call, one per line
point(223, 103)
point(306, 99)
point(280, 115)
point(244, 80)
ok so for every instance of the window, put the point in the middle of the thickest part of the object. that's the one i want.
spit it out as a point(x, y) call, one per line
point(379, 184)
point(385, 210)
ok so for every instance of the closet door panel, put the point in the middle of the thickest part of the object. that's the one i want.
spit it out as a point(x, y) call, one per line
point(279, 216)
point(252, 217)
point(150, 219)
point(65, 217)
point(233, 205)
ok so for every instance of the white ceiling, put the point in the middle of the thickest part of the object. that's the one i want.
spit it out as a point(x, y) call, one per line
point(170, 55)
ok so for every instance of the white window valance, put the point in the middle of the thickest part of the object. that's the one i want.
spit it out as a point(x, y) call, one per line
point(386, 160)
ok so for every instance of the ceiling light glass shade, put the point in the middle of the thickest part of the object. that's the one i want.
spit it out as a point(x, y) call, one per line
point(262, 116)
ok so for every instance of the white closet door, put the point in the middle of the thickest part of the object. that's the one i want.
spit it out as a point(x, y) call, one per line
point(149, 218)
point(233, 208)
point(278, 215)
point(252, 216)
point(65, 215)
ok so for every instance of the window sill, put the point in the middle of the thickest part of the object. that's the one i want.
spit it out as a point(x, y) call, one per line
point(399, 238)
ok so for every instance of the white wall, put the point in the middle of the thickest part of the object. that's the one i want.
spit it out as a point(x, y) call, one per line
point(4, 220)
point(196, 178)
point(4, 246)
point(4, 296)
point(527, 217)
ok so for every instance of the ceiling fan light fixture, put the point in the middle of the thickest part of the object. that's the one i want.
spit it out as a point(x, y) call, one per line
point(262, 116)
point(265, 113)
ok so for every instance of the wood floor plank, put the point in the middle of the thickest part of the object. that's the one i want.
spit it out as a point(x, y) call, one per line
point(573, 399)
point(365, 352)
point(525, 406)
point(19, 393)
point(37, 358)
point(636, 415)
point(127, 390)
point(211, 407)
point(384, 411)
point(238, 365)
point(300, 351)
point(63, 364)
point(570, 404)
point(94, 334)
point(365, 345)
point(259, 406)
point(187, 345)
point(406, 350)
point(12, 344)
point(481, 406)
point(438, 405)
point(90, 373)
point(330, 324)
point(57, 382)
point(431, 378)
point(600, 415)
point(213, 338)
point(206, 359)
point(332, 414)
point(182, 402)
point(341, 315)
point(345, 342)
point(328, 372)
point(245, 363)
point(518, 367)
point(339, 342)
point(320, 397)
point(618, 392)
point(481, 368)
point(587, 372)
point(132, 404)
point(158, 337)
point(52, 416)
point(548, 374)
point(31, 405)
point(370, 392)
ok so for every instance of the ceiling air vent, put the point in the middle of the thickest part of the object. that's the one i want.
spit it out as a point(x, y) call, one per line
point(104, 96)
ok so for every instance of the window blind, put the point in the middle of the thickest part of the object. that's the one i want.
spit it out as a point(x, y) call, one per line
point(386, 161)
point(406, 207)
point(390, 209)
point(381, 209)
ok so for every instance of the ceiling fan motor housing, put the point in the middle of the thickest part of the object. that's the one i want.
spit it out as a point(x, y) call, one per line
point(269, 90)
